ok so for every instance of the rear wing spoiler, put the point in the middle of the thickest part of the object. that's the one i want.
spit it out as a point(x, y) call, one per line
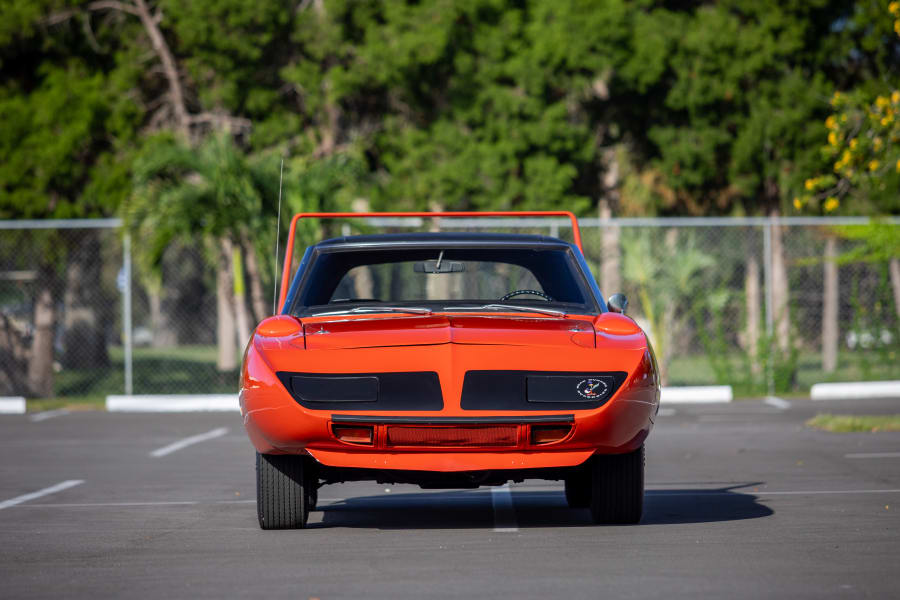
point(289, 251)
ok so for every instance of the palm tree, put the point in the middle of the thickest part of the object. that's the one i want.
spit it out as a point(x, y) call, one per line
point(215, 196)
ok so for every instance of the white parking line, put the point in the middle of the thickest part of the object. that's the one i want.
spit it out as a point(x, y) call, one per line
point(194, 439)
point(47, 414)
point(64, 485)
point(504, 513)
point(779, 403)
point(767, 493)
point(873, 455)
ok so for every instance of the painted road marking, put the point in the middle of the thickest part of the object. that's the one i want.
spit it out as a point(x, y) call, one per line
point(504, 513)
point(779, 403)
point(194, 439)
point(768, 493)
point(44, 492)
point(48, 414)
point(873, 455)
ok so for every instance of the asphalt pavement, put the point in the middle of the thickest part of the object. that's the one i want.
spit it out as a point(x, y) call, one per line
point(742, 501)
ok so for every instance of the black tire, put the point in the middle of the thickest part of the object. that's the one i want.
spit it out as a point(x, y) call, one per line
point(578, 489)
point(313, 498)
point(282, 491)
point(617, 490)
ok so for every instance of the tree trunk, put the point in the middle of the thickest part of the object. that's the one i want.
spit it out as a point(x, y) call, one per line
point(363, 282)
point(754, 312)
point(13, 359)
point(170, 69)
point(239, 292)
point(257, 297)
point(164, 334)
point(225, 330)
point(780, 293)
point(610, 254)
point(894, 268)
point(830, 307)
point(436, 286)
point(40, 367)
point(84, 324)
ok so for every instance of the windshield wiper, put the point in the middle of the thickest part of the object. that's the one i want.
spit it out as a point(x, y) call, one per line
point(413, 310)
point(512, 307)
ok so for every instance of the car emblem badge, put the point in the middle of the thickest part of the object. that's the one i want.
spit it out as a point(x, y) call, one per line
point(592, 389)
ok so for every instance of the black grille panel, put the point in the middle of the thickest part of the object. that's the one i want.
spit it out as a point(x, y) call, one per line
point(539, 390)
point(419, 390)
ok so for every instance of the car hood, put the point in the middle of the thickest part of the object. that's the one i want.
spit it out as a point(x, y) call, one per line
point(448, 329)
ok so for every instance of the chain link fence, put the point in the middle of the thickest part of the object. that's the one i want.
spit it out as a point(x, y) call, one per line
point(761, 305)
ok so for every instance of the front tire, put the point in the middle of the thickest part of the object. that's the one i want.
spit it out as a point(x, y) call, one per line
point(578, 489)
point(617, 488)
point(282, 491)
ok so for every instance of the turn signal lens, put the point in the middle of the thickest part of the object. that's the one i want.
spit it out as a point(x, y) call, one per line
point(353, 434)
point(547, 434)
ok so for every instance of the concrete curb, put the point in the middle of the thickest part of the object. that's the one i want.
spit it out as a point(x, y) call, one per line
point(173, 403)
point(698, 394)
point(855, 390)
point(12, 405)
point(705, 394)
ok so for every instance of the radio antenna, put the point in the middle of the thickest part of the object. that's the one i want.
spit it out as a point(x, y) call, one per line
point(277, 239)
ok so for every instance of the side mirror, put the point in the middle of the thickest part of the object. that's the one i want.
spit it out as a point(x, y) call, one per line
point(617, 303)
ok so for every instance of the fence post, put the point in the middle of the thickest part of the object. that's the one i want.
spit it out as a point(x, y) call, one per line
point(769, 300)
point(126, 313)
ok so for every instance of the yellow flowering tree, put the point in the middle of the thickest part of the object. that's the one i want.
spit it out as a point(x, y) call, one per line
point(862, 150)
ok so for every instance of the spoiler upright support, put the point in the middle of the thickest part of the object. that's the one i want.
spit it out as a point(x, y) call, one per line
point(289, 250)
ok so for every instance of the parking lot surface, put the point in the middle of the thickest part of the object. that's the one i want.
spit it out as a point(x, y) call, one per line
point(742, 501)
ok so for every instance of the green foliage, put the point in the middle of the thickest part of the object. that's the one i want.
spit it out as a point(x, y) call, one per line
point(855, 423)
point(665, 290)
point(704, 107)
point(58, 144)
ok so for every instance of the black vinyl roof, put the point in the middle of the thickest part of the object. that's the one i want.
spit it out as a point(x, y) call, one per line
point(440, 237)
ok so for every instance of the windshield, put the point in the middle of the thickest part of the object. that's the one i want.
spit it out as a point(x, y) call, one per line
point(359, 281)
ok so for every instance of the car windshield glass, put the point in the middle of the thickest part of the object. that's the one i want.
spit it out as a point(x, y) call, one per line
point(443, 279)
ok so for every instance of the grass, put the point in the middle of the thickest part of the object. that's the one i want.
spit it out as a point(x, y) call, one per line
point(855, 423)
point(179, 370)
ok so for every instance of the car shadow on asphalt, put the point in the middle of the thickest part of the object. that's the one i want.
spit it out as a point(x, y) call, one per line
point(472, 509)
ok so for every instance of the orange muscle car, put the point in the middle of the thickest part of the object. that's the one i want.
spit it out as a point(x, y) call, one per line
point(447, 360)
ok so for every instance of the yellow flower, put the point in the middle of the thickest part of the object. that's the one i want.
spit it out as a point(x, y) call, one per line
point(894, 8)
point(876, 143)
point(885, 121)
point(897, 27)
point(836, 98)
point(882, 102)
point(797, 204)
point(873, 165)
point(898, 165)
point(810, 184)
point(830, 122)
point(831, 203)
point(895, 96)
point(832, 138)
point(843, 118)
point(854, 143)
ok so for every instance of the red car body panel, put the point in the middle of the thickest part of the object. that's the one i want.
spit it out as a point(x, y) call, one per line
point(451, 345)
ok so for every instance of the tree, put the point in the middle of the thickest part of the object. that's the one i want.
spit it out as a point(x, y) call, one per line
point(211, 193)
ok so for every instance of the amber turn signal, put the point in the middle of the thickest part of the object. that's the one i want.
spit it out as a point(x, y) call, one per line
point(353, 434)
point(547, 434)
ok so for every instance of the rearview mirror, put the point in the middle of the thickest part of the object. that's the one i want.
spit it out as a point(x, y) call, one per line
point(617, 303)
point(434, 266)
